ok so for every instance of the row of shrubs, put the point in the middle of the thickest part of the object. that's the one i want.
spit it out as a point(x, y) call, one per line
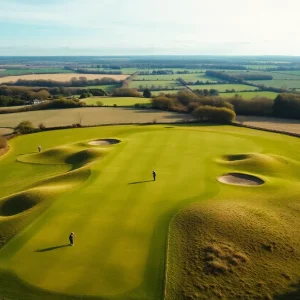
point(285, 105)
point(53, 104)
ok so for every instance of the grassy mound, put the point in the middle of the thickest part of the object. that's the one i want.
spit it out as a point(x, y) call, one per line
point(18, 203)
point(232, 249)
point(266, 164)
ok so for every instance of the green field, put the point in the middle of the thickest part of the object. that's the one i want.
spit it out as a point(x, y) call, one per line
point(107, 88)
point(156, 93)
point(187, 77)
point(22, 71)
point(119, 101)
point(140, 239)
point(224, 87)
point(249, 95)
point(279, 83)
point(156, 83)
point(91, 116)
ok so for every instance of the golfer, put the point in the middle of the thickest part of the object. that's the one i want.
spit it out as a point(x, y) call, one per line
point(71, 238)
point(39, 148)
point(154, 175)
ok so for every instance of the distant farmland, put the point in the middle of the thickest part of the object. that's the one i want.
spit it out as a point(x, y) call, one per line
point(119, 101)
point(60, 77)
point(224, 87)
point(249, 95)
point(91, 116)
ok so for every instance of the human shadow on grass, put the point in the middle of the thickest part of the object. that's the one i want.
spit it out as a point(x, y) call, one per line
point(52, 248)
point(137, 182)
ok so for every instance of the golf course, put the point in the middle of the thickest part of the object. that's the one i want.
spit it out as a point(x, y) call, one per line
point(221, 220)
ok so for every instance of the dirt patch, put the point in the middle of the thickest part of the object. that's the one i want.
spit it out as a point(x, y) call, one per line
point(240, 179)
point(286, 125)
point(104, 142)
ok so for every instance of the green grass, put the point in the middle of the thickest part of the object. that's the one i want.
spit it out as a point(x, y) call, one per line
point(280, 83)
point(22, 71)
point(224, 241)
point(224, 87)
point(249, 95)
point(119, 101)
point(187, 77)
point(107, 88)
point(156, 83)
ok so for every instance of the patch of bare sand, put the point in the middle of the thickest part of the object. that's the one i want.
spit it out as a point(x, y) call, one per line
point(240, 179)
point(104, 142)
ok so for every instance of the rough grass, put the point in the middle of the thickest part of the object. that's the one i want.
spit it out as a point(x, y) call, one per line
point(119, 101)
point(91, 116)
point(59, 77)
point(224, 241)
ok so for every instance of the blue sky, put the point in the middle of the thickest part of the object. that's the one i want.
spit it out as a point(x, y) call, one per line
point(132, 27)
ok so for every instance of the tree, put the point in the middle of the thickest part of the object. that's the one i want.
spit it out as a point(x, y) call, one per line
point(147, 93)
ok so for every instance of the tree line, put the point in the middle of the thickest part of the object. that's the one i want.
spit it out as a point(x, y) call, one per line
point(74, 82)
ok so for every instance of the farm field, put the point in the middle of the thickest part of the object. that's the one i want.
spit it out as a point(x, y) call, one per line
point(140, 239)
point(107, 88)
point(119, 101)
point(59, 77)
point(249, 95)
point(286, 125)
point(156, 93)
point(224, 87)
point(187, 77)
point(91, 116)
point(126, 71)
point(23, 71)
point(4, 130)
point(279, 83)
point(156, 83)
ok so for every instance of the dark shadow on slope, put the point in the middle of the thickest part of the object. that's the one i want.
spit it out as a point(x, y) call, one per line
point(137, 182)
point(292, 295)
point(52, 248)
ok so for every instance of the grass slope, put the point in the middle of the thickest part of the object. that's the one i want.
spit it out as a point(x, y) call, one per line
point(222, 241)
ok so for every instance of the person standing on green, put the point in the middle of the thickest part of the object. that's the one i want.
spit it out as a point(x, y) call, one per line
point(71, 238)
point(154, 175)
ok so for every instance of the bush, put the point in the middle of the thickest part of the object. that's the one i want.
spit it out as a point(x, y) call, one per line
point(147, 93)
point(3, 142)
point(287, 106)
point(25, 127)
point(99, 103)
point(163, 102)
point(214, 114)
point(42, 126)
point(126, 92)
point(258, 106)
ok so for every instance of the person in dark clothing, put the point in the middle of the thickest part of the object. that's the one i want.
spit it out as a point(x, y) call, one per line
point(71, 238)
point(154, 175)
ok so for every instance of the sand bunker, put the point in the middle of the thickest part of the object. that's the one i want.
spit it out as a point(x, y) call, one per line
point(240, 179)
point(103, 142)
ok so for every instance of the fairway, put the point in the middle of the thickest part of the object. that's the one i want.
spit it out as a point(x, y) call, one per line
point(121, 217)
point(118, 101)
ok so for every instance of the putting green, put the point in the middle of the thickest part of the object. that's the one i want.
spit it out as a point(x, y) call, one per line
point(105, 194)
